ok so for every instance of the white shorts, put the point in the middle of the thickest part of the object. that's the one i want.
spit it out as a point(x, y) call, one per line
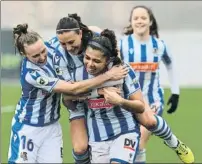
point(121, 149)
point(29, 144)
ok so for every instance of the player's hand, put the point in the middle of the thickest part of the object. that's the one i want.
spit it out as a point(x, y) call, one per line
point(117, 72)
point(173, 100)
point(112, 97)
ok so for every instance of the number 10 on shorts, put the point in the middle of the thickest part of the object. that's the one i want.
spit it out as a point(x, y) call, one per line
point(27, 144)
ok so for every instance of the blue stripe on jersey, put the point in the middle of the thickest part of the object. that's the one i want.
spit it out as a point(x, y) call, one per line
point(42, 111)
point(71, 65)
point(160, 92)
point(50, 68)
point(143, 59)
point(125, 90)
point(53, 104)
point(29, 106)
point(121, 49)
point(95, 128)
point(15, 142)
point(165, 56)
point(131, 48)
point(49, 46)
point(153, 75)
point(121, 118)
point(107, 123)
point(132, 75)
point(154, 42)
point(85, 74)
point(35, 75)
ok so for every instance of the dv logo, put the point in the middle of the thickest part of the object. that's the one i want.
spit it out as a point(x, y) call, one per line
point(129, 144)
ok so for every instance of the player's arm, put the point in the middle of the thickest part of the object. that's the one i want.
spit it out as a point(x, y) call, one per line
point(115, 73)
point(134, 104)
point(168, 61)
point(133, 100)
point(172, 75)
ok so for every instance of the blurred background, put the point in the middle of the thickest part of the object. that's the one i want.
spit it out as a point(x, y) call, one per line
point(180, 26)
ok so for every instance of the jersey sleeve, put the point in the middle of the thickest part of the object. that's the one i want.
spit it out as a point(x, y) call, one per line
point(167, 56)
point(167, 59)
point(54, 42)
point(39, 80)
point(131, 83)
point(61, 66)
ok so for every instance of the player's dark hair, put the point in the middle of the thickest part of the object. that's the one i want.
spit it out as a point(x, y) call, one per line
point(107, 44)
point(22, 37)
point(73, 23)
point(153, 30)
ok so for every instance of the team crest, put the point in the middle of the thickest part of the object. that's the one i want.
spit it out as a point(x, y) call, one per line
point(57, 59)
point(42, 81)
point(23, 155)
point(131, 50)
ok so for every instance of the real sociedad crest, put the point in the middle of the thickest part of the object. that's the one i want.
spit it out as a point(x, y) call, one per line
point(131, 51)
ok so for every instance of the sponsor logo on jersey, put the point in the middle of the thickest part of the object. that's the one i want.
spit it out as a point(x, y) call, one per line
point(42, 80)
point(144, 66)
point(98, 104)
point(59, 71)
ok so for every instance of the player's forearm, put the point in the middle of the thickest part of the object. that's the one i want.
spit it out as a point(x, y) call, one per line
point(80, 87)
point(134, 106)
point(87, 85)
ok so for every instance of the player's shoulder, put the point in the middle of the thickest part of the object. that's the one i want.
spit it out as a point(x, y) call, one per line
point(131, 72)
point(160, 42)
point(124, 37)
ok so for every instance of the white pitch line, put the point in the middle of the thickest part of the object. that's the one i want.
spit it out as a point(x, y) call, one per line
point(7, 109)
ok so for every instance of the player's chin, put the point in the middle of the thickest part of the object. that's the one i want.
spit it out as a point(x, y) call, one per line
point(92, 72)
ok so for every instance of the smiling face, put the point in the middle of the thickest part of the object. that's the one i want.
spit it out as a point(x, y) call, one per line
point(95, 61)
point(36, 52)
point(71, 41)
point(140, 21)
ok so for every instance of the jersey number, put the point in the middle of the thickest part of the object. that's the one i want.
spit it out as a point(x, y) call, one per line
point(27, 144)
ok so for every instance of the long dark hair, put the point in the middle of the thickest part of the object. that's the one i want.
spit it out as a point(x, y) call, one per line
point(153, 28)
point(73, 23)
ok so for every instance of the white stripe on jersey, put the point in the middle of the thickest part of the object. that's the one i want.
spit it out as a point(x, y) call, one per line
point(146, 58)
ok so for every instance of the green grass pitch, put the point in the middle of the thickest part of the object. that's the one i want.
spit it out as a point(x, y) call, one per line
point(185, 123)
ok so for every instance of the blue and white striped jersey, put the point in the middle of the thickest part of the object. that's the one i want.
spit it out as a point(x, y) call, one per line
point(145, 58)
point(38, 105)
point(105, 121)
point(72, 62)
